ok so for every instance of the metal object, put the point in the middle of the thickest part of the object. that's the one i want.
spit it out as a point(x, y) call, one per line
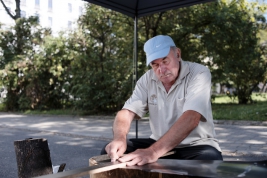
point(61, 167)
point(204, 168)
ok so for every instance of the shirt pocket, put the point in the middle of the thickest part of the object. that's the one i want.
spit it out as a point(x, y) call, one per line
point(178, 106)
point(152, 108)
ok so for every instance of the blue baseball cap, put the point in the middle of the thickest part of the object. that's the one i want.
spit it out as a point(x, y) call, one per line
point(157, 47)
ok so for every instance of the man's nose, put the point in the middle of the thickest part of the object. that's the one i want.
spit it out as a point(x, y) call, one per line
point(162, 68)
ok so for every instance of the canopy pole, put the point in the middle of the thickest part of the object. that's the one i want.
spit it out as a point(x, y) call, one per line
point(135, 65)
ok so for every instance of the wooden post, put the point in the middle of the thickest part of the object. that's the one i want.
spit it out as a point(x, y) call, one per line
point(33, 157)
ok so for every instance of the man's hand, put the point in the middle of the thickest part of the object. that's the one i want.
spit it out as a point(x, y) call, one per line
point(140, 157)
point(116, 148)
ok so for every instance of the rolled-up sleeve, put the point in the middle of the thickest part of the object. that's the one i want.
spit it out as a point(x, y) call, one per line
point(198, 94)
point(137, 103)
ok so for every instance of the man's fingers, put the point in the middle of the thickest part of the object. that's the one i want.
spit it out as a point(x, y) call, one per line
point(142, 162)
point(113, 160)
point(127, 158)
point(114, 157)
point(120, 152)
point(138, 157)
point(131, 160)
point(135, 161)
point(113, 154)
point(115, 149)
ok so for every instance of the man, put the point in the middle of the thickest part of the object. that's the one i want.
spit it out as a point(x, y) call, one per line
point(177, 95)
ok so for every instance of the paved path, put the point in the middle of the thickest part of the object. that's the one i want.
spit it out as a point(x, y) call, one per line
point(238, 142)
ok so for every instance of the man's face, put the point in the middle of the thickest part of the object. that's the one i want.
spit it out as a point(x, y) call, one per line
point(167, 68)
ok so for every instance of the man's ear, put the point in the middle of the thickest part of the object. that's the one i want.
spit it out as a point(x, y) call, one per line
point(178, 53)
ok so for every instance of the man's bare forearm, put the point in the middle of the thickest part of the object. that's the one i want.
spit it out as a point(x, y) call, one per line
point(122, 123)
point(177, 133)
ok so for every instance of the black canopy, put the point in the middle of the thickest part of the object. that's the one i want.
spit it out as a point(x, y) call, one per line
point(139, 8)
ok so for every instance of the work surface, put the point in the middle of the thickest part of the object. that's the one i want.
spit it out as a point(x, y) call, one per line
point(199, 168)
point(168, 168)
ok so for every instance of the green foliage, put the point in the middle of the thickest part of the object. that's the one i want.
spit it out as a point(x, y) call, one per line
point(90, 69)
point(18, 46)
point(223, 36)
point(101, 71)
point(237, 56)
point(16, 41)
point(45, 76)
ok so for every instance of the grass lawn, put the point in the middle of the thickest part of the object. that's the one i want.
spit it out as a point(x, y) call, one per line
point(225, 108)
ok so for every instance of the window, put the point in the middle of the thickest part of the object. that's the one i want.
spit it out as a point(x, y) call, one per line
point(70, 7)
point(37, 3)
point(7, 1)
point(80, 10)
point(50, 21)
point(37, 15)
point(22, 14)
point(69, 24)
point(50, 4)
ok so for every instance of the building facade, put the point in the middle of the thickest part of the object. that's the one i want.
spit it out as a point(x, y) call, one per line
point(59, 15)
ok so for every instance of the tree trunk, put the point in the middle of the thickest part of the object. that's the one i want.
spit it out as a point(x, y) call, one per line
point(33, 157)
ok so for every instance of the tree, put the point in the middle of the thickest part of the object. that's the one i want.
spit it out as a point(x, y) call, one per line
point(17, 55)
point(223, 36)
point(232, 43)
point(46, 76)
point(91, 67)
point(19, 31)
point(101, 71)
point(199, 31)
point(17, 10)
